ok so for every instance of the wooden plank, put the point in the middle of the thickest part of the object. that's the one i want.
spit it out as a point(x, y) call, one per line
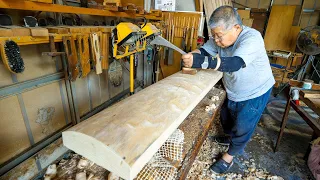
point(253, 3)
point(247, 22)
point(58, 30)
point(43, 1)
point(115, 137)
point(6, 32)
point(18, 30)
point(197, 4)
point(36, 6)
point(264, 4)
point(38, 31)
point(196, 127)
point(296, 83)
point(244, 13)
point(312, 122)
point(292, 39)
point(311, 94)
point(210, 6)
point(314, 104)
point(279, 27)
point(309, 4)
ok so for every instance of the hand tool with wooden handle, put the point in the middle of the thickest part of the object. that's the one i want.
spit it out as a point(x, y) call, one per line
point(84, 56)
point(105, 50)
point(163, 42)
point(167, 50)
point(187, 33)
point(95, 45)
point(192, 34)
point(73, 65)
point(170, 59)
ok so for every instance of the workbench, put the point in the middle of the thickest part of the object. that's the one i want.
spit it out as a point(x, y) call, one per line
point(196, 127)
point(312, 103)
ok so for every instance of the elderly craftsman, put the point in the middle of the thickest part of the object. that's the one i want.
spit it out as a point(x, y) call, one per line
point(237, 51)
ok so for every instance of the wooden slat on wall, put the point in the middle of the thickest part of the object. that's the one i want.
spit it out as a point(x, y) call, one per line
point(261, 4)
point(293, 37)
point(279, 27)
point(14, 138)
point(210, 6)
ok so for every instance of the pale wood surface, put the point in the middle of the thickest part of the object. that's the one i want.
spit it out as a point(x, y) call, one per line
point(124, 137)
point(279, 27)
point(310, 94)
point(210, 6)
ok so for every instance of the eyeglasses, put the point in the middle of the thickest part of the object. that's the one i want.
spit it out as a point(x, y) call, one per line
point(214, 36)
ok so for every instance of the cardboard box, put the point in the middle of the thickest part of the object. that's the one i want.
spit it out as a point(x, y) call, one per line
point(244, 14)
point(247, 22)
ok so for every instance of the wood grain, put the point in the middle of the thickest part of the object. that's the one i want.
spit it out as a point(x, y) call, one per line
point(310, 94)
point(70, 49)
point(84, 55)
point(210, 6)
point(116, 137)
point(279, 26)
point(292, 40)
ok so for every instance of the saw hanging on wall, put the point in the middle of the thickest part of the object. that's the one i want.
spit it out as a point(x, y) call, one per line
point(83, 53)
point(73, 65)
point(96, 51)
point(11, 57)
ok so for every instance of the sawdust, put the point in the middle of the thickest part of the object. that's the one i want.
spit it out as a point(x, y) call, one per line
point(210, 151)
point(76, 167)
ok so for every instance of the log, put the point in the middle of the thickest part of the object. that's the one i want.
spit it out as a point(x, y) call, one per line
point(125, 136)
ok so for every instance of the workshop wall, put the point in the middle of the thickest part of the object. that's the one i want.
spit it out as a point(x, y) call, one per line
point(306, 18)
point(185, 5)
point(39, 103)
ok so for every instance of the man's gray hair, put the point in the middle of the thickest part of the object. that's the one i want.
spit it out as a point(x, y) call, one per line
point(225, 16)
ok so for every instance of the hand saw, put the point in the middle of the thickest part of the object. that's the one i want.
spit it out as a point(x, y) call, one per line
point(163, 42)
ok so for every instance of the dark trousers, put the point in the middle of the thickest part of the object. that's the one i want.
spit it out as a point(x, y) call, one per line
point(239, 120)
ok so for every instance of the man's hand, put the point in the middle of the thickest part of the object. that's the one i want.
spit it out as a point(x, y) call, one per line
point(187, 60)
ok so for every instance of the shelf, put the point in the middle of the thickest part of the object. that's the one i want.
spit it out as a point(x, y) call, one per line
point(27, 40)
point(37, 6)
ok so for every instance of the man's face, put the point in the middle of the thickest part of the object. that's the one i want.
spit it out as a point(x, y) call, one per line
point(225, 38)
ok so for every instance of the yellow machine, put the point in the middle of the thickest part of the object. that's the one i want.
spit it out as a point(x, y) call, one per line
point(152, 32)
point(130, 39)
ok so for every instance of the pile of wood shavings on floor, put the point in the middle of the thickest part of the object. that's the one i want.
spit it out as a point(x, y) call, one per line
point(210, 152)
point(75, 167)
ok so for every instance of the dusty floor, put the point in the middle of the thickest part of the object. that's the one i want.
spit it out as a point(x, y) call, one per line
point(259, 160)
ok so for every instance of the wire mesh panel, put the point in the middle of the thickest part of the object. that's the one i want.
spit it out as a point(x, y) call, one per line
point(159, 168)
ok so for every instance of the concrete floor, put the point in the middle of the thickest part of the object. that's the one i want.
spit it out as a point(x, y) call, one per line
point(289, 161)
point(259, 160)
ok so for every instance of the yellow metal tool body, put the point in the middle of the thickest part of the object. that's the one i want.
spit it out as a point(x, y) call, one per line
point(128, 40)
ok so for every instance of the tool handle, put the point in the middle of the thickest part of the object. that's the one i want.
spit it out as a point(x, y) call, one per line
point(96, 48)
point(192, 33)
